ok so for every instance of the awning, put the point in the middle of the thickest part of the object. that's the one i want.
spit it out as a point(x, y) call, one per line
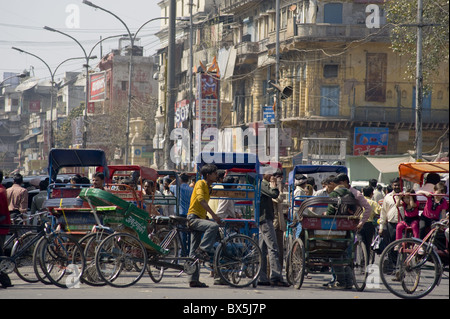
point(388, 164)
point(26, 138)
point(415, 171)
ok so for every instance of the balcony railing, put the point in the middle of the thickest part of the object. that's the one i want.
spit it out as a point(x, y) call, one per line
point(347, 31)
point(397, 114)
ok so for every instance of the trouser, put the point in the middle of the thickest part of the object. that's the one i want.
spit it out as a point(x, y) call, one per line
point(344, 275)
point(203, 236)
point(367, 232)
point(402, 225)
point(425, 224)
point(269, 247)
point(4, 278)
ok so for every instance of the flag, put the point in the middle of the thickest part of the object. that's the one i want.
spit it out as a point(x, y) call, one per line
point(214, 67)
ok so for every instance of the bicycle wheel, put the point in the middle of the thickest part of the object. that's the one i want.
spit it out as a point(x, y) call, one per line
point(63, 260)
point(297, 264)
point(406, 273)
point(24, 263)
point(89, 244)
point(288, 242)
point(359, 265)
point(38, 266)
point(169, 239)
point(121, 260)
point(237, 260)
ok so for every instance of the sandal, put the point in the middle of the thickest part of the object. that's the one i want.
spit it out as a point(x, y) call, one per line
point(197, 284)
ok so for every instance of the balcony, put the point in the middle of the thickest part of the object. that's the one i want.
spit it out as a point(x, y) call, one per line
point(398, 115)
point(247, 52)
point(231, 6)
point(345, 32)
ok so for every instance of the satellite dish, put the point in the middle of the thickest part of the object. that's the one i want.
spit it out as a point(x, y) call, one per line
point(27, 84)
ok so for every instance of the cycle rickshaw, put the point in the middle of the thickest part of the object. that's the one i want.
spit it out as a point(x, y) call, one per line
point(123, 257)
point(324, 241)
point(73, 215)
point(411, 267)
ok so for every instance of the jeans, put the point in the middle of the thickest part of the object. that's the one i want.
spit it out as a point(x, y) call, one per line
point(269, 247)
point(201, 227)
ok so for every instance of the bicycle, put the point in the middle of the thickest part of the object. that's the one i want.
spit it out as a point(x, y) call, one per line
point(411, 268)
point(17, 228)
point(53, 252)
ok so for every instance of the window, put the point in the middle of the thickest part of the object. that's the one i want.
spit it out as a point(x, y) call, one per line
point(330, 70)
point(332, 13)
point(376, 74)
point(329, 100)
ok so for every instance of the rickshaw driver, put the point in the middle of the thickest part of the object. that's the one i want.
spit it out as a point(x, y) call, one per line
point(98, 180)
point(201, 248)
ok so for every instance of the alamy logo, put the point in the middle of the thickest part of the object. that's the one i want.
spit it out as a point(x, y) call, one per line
point(373, 19)
point(373, 277)
point(73, 19)
point(211, 142)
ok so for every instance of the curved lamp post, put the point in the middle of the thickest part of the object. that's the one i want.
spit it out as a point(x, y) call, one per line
point(86, 65)
point(130, 70)
point(52, 79)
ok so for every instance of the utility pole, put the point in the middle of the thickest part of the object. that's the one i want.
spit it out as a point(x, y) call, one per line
point(277, 76)
point(191, 83)
point(419, 82)
point(170, 111)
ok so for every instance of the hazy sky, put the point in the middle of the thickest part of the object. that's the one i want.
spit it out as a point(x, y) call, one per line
point(22, 22)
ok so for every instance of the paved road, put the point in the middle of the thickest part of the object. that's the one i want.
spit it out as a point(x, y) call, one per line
point(173, 287)
point(174, 297)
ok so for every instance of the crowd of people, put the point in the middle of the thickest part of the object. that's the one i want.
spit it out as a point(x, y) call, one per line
point(394, 209)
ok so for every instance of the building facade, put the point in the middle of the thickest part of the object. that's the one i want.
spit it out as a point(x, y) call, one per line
point(346, 81)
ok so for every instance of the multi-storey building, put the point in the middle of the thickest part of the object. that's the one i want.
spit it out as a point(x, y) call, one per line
point(107, 114)
point(346, 79)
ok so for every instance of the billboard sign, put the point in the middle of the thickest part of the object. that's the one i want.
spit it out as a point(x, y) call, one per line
point(97, 87)
point(370, 141)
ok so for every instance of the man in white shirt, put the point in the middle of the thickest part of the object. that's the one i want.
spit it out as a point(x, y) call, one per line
point(226, 207)
point(389, 211)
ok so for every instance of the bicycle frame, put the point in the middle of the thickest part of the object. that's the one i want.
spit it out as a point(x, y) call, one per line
point(429, 241)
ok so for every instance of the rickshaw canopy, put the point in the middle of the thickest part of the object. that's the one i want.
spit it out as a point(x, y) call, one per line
point(228, 160)
point(61, 157)
point(312, 169)
point(146, 173)
point(414, 172)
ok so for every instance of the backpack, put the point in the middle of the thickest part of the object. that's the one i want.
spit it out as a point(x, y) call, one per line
point(344, 207)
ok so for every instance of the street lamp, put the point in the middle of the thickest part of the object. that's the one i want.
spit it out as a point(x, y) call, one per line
point(20, 75)
point(87, 57)
point(130, 69)
point(86, 100)
point(52, 79)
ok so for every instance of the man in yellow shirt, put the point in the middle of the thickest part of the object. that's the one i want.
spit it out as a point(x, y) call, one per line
point(367, 232)
point(201, 247)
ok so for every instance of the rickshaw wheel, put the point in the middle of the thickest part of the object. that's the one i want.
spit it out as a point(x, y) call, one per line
point(90, 243)
point(121, 260)
point(359, 265)
point(155, 272)
point(297, 263)
point(237, 260)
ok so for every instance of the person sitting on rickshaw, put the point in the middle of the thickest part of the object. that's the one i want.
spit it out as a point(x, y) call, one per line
point(98, 180)
point(226, 207)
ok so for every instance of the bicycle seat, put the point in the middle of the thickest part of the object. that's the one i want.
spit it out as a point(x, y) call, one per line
point(178, 219)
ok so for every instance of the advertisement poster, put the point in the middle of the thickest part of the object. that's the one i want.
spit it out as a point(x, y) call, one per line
point(371, 141)
point(97, 83)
